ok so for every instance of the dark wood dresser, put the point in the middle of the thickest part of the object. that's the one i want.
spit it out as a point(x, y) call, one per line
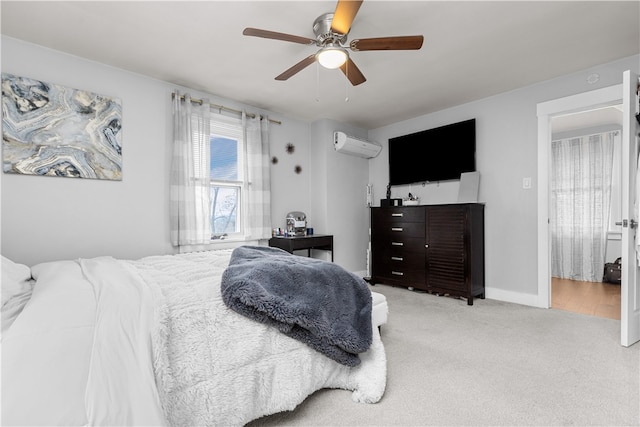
point(435, 248)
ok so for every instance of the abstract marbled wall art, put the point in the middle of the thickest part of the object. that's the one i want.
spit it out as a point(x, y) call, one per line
point(54, 130)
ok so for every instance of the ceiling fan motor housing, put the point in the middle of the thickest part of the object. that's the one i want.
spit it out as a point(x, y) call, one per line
point(322, 30)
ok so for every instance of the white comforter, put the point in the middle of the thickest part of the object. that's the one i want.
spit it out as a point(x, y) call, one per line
point(150, 342)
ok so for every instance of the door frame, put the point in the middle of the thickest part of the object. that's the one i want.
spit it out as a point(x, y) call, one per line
point(608, 96)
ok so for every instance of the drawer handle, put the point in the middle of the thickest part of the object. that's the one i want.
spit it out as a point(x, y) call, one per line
point(397, 273)
point(397, 214)
point(397, 244)
point(397, 258)
point(396, 228)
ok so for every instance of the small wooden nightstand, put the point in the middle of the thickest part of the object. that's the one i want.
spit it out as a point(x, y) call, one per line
point(317, 241)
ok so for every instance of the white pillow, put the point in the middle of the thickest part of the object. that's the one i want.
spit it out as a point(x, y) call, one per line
point(17, 286)
point(15, 279)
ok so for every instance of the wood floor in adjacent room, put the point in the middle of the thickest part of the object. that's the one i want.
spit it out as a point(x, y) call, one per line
point(593, 298)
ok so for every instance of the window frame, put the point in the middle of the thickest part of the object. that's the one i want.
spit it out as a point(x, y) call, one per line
point(223, 126)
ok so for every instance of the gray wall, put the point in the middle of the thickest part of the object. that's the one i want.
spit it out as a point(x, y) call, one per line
point(49, 218)
point(506, 152)
point(44, 219)
point(339, 193)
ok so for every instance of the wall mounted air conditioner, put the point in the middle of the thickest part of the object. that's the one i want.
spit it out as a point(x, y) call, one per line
point(346, 144)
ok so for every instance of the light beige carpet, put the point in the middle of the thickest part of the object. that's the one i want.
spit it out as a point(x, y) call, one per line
point(492, 363)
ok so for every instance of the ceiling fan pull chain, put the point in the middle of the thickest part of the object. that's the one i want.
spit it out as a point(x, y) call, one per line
point(317, 82)
point(346, 83)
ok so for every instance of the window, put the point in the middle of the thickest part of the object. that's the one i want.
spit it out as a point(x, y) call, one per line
point(220, 183)
point(227, 180)
point(581, 195)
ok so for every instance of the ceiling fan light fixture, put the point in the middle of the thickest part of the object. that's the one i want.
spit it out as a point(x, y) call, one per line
point(332, 56)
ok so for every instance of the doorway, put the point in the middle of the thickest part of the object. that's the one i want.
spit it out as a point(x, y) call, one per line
point(592, 100)
point(627, 94)
point(570, 288)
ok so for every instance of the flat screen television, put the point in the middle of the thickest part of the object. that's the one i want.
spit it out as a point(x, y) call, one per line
point(438, 154)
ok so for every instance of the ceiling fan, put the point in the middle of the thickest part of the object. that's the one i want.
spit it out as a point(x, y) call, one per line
point(331, 31)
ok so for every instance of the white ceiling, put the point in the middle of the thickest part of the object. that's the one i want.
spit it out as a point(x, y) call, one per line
point(471, 50)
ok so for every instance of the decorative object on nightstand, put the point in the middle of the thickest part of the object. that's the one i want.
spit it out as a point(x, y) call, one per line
point(296, 224)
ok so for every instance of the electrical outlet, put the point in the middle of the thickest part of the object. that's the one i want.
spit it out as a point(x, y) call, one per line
point(526, 183)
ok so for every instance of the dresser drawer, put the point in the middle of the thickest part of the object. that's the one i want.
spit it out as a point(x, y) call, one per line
point(390, 231)
point(399, 244)
point(393, 257)
point(406, 278)
point(398, 214)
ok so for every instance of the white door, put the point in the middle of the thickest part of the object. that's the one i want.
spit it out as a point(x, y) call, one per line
point(630, 292)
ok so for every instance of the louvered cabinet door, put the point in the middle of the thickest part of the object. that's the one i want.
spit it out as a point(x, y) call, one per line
point(455, 250)
point(446, 255)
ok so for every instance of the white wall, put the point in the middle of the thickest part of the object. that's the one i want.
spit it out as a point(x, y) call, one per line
point(506, 152)
point(46, 218)
point(339, 194)
point(289, 190)
point(49, 218)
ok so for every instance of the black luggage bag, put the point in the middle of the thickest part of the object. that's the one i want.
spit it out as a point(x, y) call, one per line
point(613, 272)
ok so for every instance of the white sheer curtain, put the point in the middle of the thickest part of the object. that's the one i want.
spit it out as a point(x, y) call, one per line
point(189, 193)
point(581, 174)
point(258, 200)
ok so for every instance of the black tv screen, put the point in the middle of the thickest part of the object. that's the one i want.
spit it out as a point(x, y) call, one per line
point(438, 154)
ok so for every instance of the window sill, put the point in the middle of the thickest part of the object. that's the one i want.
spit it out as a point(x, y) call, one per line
point(219, 244)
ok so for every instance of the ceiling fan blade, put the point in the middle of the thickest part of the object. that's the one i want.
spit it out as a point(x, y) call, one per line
point(388, 43)
point(344, 15)
point(255, 32)
point(298, 67)
point(353, 73)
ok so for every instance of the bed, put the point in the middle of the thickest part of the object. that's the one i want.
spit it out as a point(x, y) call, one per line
point(105, 341)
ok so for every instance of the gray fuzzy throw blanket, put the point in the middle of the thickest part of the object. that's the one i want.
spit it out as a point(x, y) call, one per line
point(314, 301)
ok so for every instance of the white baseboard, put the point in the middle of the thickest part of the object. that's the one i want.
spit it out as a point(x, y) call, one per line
point(498, 295)
point(514, 297)
point(362, 273)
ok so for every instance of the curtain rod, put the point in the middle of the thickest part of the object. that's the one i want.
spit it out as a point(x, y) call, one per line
point(222, 107)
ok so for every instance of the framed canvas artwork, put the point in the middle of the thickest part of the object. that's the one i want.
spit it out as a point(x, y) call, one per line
point(53, 130)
